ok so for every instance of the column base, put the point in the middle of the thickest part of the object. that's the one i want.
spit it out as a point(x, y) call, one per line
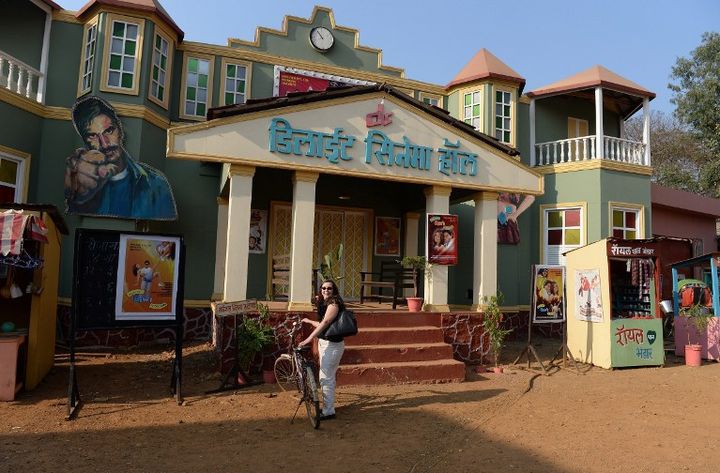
point(436, 308)
point(300, 307)
point(478, 307)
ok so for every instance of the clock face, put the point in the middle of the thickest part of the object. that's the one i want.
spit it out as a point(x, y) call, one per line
point(321, 38)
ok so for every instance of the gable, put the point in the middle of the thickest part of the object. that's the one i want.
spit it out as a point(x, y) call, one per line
point(332, 137)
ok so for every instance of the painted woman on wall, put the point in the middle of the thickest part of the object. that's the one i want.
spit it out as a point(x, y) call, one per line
point(510, 206)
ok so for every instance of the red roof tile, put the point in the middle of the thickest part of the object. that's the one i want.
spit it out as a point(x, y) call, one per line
point(486, 65)
point(593, 77)
point(152, 6)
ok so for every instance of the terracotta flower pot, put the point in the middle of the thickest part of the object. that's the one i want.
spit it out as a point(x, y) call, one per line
point(415, 304)
point(693, 355)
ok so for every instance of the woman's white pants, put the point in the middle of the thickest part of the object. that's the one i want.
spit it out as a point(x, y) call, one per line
point(330, 354)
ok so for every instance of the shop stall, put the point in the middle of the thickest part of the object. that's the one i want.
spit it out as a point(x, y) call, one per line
point(29, 267)
point(613, 287)
point(696, 285)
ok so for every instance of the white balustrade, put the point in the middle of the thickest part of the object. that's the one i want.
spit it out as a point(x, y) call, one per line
point(18, 77)
point(583, 148)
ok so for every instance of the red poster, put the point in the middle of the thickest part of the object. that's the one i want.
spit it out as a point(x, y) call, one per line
point(442, 239)
point(298, 83)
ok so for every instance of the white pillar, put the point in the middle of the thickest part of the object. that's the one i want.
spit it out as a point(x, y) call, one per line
point(238, 229)
point(485, 248)
point(437, 201)
point(45, 53)
point(646, 130)
point(220, 248)
point(410, 245)
point(532, 132)
point(303, 225)
point(599, 132)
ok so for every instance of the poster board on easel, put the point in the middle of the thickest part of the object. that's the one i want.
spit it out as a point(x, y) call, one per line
point(126, 280)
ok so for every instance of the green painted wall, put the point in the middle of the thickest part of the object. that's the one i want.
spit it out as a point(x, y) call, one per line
point(296, 45)
point(21, 131)
point(22, 19)
point(551, 116)
point(63, 64)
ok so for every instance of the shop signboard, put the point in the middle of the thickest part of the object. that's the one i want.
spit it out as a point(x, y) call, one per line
point(442, 239)
point(627, 248)
point(637, 342)
point(147, 277)
point(223, 309)
point(548, 294)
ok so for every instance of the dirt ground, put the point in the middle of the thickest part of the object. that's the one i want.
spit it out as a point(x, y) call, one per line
point(630, 420)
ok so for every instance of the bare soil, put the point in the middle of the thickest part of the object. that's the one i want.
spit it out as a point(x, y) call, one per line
point(627, 420)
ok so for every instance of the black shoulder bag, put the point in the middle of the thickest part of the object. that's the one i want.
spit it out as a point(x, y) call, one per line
point(344, 325)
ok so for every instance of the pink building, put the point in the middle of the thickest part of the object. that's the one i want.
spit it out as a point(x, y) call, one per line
point(684, 214)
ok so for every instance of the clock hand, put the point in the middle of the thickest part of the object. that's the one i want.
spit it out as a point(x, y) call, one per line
point(320, 34)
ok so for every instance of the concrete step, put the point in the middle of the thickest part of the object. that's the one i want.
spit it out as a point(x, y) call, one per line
point(395, 335)
point(396, 353)
point(436, 371)
point(398, 319)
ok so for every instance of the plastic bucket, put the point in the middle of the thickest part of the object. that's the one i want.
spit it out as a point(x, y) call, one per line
point(693, 355)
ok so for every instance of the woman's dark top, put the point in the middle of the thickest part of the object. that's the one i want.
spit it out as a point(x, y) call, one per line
point(321, 309)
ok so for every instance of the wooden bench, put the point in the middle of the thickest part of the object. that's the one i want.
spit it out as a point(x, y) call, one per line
point(280, 280)
point(392, 276)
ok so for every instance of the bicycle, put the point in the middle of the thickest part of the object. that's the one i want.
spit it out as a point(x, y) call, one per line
point(294, 369)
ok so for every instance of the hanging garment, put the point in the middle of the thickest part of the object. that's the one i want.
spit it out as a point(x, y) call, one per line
point(12, 227)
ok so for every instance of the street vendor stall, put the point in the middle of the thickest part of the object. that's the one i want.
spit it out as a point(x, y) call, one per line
point(29, 267)
point(613, 287)
point(696, 284)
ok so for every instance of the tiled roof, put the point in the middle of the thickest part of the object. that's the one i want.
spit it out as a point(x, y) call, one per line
point(152, 6)
point(486, 65)
point(593, 77)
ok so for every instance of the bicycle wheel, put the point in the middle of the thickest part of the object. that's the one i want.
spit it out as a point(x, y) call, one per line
point(285, 373)
point(312, 398)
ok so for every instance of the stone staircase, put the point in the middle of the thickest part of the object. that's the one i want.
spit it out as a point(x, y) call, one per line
point(397, 347)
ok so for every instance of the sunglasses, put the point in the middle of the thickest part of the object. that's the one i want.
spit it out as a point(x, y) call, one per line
point(326, 288)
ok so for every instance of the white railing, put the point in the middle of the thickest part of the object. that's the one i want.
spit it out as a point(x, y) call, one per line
point(18, 77)
point(583, 148)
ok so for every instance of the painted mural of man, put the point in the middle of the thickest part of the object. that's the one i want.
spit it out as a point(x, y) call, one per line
point(103, 179)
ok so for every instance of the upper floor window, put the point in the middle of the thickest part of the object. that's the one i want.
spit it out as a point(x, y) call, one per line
point(626, 221)
point(12, 177)
point(87, 63)
point(503, 116)
point(431, 99)
point(577, 127)
point(563, 230)
point(197, 86)
point(237, 81)
point(161, 64)
point(122, 61)
point(472, 109)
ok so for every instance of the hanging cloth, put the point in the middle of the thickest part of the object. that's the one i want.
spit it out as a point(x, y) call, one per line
point(12, 227)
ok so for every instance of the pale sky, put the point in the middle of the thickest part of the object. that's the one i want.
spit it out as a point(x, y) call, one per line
point(543, 40)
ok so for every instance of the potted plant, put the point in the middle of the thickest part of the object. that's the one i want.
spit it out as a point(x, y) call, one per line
point(492, 324)
point(418, 264)
point(697, 320)
point(253, 335)
point(330, 267)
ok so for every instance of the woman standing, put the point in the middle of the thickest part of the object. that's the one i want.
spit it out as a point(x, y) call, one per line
point(329, 305)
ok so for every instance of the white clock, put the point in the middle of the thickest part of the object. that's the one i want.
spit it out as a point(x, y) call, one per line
point(321, 39)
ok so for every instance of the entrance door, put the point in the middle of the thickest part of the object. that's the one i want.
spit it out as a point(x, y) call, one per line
point(333, 225)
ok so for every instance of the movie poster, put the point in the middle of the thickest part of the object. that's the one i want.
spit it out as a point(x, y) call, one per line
point(588, 303)
point(147, 277)
point(387, 236)
point(442, 238)
point(548, 294)
point(257, 242)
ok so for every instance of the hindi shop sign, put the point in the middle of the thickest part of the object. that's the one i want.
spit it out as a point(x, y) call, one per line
point(378, 149)
point(223, 309)
point(637, 342)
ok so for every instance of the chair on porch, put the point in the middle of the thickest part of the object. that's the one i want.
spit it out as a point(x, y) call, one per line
point(392, 277)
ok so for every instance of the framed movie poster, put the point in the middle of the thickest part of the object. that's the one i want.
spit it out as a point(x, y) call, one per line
point(257, 241)
point(548, 294)
point(387, 236)
point(588, 303)
point(147, 277)
point(442, 238)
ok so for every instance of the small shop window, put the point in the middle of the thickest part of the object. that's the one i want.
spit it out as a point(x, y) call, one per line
point(236, 81)
point(472, 108)
point(625, 223)
point(88, 58)
point(503, 116)
point(160, 77)
point(563, 232)
point(197, 89)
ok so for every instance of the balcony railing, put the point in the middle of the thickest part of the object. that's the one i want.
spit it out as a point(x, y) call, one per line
point(583, 149)
point(20, 78)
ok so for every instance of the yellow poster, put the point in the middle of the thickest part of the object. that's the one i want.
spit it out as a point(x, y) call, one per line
point(147, 277)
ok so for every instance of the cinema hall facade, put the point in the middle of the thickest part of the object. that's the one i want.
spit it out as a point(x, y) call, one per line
point(278, 149)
